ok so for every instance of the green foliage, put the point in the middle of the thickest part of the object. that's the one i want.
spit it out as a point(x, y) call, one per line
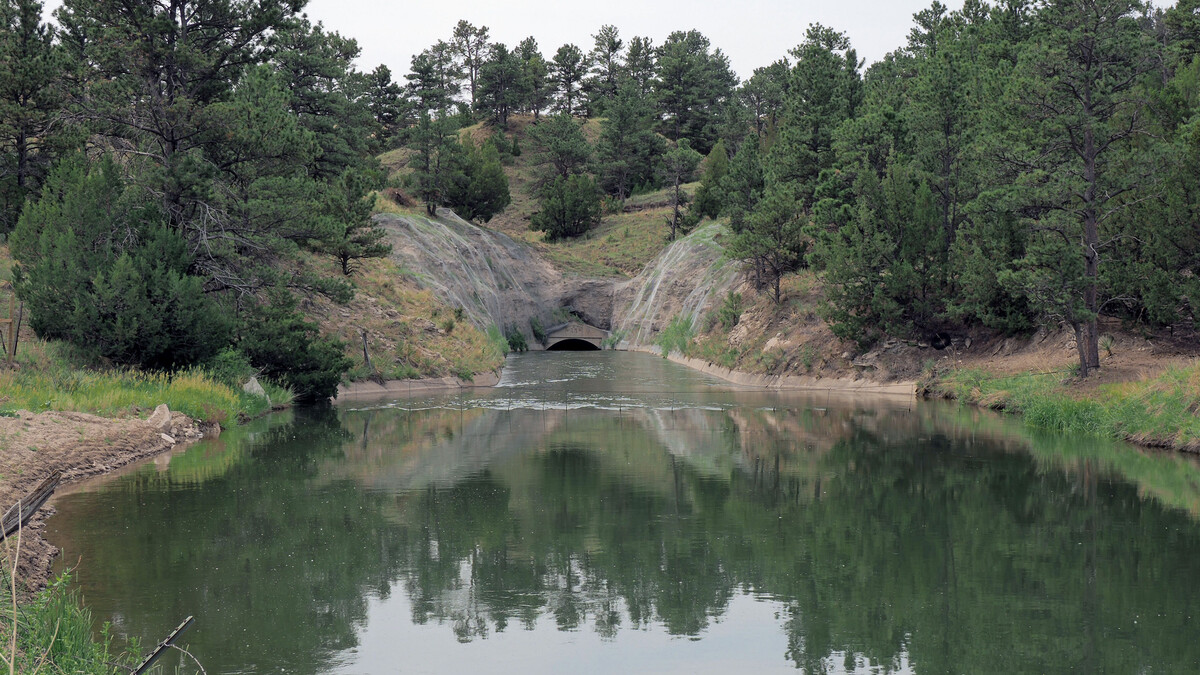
point(560, 148)
point(678, 167)
point(99, 270)
point(351, 237)
point(55, 630)
point(479, 189)
point(538, 330)
point(677, 336)
point(771, 240)
point(288, 349)
point(628, 151)
point(1158, 411)
point(710, 200)
point(515, 339)
point(694, 82)
point(569, 207)
point(730, 311)
point(885, 269)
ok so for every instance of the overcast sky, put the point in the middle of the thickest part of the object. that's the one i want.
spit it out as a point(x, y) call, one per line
point(752, 33)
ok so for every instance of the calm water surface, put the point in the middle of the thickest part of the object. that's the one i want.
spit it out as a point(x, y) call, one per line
point(612, 512)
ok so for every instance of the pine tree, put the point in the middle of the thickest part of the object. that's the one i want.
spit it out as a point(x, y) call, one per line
point(570, 206)
point(535, 74)
point(678, 167)
point(560, 149)
point(1077, 108)
point(628, 151)
point(641, 65)
point(605, 74)
point(500, 85)
point(32, 97)
point(470, 45)
point(479, 188)
point(693, 84)
point(710, 198)
point(347, 206)
point(566, 72)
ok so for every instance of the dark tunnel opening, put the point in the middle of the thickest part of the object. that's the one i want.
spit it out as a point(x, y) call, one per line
point(573, 345)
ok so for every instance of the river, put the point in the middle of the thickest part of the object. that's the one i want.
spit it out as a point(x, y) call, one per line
point(613, 512)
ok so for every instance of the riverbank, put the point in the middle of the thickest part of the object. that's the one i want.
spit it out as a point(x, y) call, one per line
point(1159, 411)
point(368, 388)
point(80, 446)
point(791, 382)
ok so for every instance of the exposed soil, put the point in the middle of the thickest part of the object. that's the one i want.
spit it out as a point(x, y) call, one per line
point(34, 446)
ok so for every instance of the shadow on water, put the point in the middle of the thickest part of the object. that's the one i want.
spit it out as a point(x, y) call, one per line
point(445, 532)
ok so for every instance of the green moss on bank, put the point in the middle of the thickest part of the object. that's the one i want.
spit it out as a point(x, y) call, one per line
point(1158, 412)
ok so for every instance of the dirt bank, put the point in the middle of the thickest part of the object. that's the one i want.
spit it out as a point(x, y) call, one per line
point(34, 446)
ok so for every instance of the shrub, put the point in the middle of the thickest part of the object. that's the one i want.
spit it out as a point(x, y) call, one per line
point(515, 338)
point(288, 349)
point(99, 270)
point(569, 208)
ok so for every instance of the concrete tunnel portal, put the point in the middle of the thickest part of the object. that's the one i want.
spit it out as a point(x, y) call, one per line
point(576, 337)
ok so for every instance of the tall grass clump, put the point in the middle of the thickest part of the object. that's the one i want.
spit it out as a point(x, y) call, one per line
point(48, 380)
point(54, 634)
point(1163, 411)
point(677, 336)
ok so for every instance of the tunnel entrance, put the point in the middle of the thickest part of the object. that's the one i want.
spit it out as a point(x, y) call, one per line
point(573, 345)
point(575, 336)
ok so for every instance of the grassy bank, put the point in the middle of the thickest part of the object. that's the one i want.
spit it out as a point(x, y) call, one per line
point(48, 380)
point(1161, 411)
point(54, 635)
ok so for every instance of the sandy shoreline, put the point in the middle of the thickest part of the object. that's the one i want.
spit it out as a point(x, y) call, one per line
point(34, 446)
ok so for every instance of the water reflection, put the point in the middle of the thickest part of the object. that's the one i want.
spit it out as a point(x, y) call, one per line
point(589, 524)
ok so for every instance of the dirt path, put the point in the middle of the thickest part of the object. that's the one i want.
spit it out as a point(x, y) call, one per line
point(33, 447)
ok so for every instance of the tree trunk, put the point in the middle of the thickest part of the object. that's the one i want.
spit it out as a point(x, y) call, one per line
point(1081, 347)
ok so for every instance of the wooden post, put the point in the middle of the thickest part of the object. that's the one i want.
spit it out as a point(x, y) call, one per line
point(10, 336)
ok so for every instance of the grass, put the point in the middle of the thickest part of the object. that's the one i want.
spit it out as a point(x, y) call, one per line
point(48, 380)
point(54, 634)
point(677, 336)
point(1161, 411)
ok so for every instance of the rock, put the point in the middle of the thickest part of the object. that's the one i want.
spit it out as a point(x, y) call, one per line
point(168, 439)
point(967, 343)
point(846, 355)
point(253, 387)
point(161, 418)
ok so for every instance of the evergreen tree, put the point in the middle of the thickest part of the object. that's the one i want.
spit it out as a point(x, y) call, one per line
point(98, 269)
point(32, 97)
point(742, 187)
point(710, 198)
point(678, 167)
point(771, 240)
point(500, 85)
point(535, 78)
point(692, 86)
point(570, 206)
point(347, 205)
point(1078, 108)
point(628, 150)
point(433, 159)
point(764, 94)
point(566, 72)
point(824, 92)
point(289, 350)
point(885, 267)
point(385, 99)
point(560, 149)
point(641, 65)
point(479, 189)
point(434, 79)
point(605, 74)
point(470, 46)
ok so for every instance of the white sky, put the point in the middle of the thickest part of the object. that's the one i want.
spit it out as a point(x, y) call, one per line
point(752, 33)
